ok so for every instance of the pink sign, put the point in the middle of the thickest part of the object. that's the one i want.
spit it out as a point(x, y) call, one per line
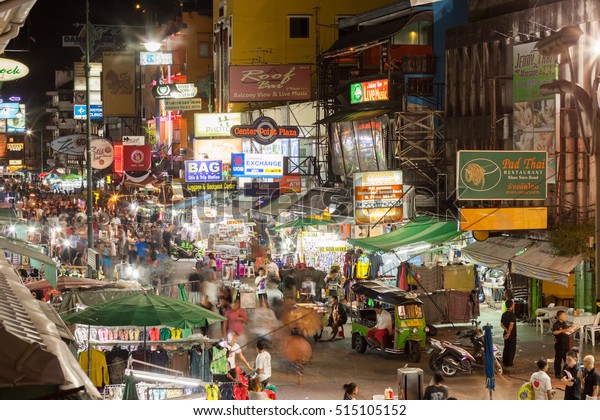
point(290, 82)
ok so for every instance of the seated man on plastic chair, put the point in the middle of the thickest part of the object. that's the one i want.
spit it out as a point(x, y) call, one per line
point(383, 329)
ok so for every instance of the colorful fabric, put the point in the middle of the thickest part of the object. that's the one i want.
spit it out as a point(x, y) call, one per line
point(175, 333)
point(218, 366)
point(240, 392)
point(212, 392)
point(98, 367)
point(165, 334)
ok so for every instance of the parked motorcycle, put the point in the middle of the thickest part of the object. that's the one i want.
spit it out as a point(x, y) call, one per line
point(451, 358)
point(185, 250)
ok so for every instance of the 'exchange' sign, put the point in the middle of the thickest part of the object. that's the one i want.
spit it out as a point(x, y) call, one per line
point(501, 175)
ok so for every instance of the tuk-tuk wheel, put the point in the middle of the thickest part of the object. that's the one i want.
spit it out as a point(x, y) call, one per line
point(413, 349)
point(359, 343)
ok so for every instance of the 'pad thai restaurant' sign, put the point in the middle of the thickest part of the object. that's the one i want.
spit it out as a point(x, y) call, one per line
point(290, 82)
point(501, 175)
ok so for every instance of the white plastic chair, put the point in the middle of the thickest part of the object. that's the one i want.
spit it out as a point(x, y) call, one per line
point(539, 320)
point(591, 330)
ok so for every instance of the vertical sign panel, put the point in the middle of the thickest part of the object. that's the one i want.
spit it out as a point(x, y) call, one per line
point(118, 82)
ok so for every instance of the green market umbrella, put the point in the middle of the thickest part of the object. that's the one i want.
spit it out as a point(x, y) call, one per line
point(71, 176)
point(144, 310)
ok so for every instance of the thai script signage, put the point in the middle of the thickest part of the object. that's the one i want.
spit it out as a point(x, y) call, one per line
point(290, 82)
point(265, 131)
point(501, 175)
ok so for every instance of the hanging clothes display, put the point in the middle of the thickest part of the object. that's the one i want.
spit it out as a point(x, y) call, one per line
point(180, 360)
point(159, 357)
point(362, 266)
point(98, 373)
point(376, 262)
point(212, 392)
point(116, 359)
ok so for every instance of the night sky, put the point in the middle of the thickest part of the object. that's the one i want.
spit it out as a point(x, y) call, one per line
point(39, 44)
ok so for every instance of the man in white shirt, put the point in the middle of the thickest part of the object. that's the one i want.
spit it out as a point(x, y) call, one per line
point(262, 365)
point(233, 350)
point(542, 385)
point(383, 328)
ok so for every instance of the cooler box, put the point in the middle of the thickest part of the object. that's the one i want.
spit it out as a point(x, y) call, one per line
point(410, 383)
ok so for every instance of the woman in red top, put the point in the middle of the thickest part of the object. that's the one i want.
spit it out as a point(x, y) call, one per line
point(236, 319)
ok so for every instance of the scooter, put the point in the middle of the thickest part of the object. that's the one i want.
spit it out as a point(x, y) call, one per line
point(185, 250)
point(451, 359)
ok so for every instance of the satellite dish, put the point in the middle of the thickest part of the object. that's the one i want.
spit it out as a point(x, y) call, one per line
point(80, 219)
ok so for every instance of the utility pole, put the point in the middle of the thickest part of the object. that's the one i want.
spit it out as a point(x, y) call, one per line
point(88, 132)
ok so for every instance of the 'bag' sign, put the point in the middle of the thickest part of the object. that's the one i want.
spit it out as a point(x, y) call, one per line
point(203, 170)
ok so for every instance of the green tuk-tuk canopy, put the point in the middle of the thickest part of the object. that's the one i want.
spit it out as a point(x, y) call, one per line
point(304, 222)
point(432, 231)
point(383, 292)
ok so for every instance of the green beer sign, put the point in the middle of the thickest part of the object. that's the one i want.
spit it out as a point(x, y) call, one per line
point(501, 175)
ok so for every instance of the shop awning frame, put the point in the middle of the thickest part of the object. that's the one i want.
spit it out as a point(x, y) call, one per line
point(495, 252)
point(373, 35)
point(541, 262)
point(354, 115)
point(433, 231)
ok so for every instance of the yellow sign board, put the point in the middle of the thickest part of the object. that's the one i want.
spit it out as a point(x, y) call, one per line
point(513, 218)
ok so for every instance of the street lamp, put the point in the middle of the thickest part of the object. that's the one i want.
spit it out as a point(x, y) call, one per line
point(559, 43)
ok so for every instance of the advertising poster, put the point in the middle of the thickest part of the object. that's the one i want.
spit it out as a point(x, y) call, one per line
point(289, 82)
point(103, 154)
point(118, 81)
point(501, 175)
point(378, 197)
point(534, 115)
point(375, 90)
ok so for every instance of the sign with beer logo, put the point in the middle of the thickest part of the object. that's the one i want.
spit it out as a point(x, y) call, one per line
point(215, 125)
point(175, 91)
point(203, 170)
point(501, 175)
point(256, 166)
point(265, 131)
point(136, 158)
point(378, 197)
point(375, 90)
point(103, 153)
point(12, 70)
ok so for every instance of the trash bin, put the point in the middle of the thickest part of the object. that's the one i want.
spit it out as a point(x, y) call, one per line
point(410, 383)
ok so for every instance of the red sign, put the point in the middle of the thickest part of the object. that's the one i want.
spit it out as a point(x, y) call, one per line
point(118, 163)
point(290, 82)
point(290, 184)
point(137, 158)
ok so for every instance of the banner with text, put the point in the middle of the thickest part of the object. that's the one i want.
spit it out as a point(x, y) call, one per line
point(378, 197)
point(501, 175)
point(534, 115)
point(289, 82)
point(203, 170)
point(118, 81)
point(256, 166)
point(215, 125)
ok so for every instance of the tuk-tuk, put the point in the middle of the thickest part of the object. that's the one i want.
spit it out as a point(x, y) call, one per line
point(408, 321)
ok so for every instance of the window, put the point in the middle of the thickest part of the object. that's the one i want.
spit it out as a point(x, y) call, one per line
point(299, 26)
point(203, 49)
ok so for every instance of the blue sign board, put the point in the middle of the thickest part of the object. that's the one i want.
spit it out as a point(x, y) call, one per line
point(79, 112)
point(9, 110)
point(203, 170)
point(256, 165)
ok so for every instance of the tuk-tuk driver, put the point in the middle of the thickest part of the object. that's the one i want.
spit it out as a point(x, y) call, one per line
point(383, 328)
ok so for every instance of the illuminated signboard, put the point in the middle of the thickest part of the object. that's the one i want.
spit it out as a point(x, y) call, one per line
point(378, 197)
point(215, 125)
point(155, 58)
point(12, 70)
point(203, 170)
point(265, 131)
point(256, 166)
point(375, 90)
point(175, 91)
